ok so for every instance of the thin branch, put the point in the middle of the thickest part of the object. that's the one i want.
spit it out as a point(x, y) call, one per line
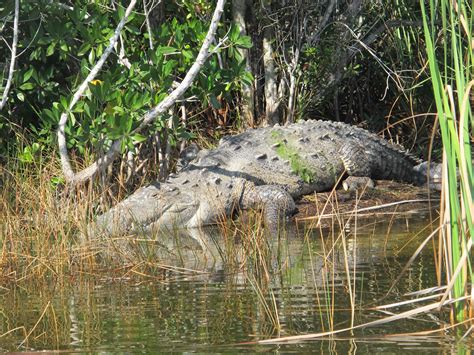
point(162, 107)
point(13, 56)
point(322, 25)
point(32, 39)
point(388, 25)
point(121, 55)
point(148, 26)
point(361, 44)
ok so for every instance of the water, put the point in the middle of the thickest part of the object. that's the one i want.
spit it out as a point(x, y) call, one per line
point(231, 301)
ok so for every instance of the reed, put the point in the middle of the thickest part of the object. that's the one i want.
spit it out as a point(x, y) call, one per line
point(449, 45)
point(36, 227)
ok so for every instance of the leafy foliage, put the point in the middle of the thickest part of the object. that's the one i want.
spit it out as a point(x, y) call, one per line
point(60, 43)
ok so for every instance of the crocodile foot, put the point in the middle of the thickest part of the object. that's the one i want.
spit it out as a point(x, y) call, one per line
point(275, 202)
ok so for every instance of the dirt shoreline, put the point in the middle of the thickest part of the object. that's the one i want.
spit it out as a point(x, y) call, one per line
point(388, 197)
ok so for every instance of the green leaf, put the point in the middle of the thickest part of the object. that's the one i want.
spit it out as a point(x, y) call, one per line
point(168, 68)
point(64, 47)
point(91, 57)
point(28, 74)
point(84, 49)
point(162, 50)
point(64, 103)
point(57, 180)
point(120, 12)
point(188, 54)
point(72, 118)
point(247, 78)
point(26, 156)
point(87, 110)
point(128, 123)
point(79, 108)
point(20, 96)
point(214, 102)
point(123, 145)
point(138, 138)
point(234, 33)
point(35, 147)
point(118, 110)
point(50, 49)
point(244, 42)
point(27, 86)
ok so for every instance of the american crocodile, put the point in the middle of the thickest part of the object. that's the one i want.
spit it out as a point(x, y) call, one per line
point(264, 168)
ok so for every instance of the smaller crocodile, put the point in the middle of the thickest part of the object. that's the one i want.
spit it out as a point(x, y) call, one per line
point(265, 168)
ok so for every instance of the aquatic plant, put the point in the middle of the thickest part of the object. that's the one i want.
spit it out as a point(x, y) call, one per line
point(449, 46)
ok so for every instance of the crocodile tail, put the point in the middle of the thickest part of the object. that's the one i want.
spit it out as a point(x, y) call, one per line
point(379, 159)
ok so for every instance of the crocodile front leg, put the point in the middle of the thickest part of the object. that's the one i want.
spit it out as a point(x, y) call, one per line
point(275, 202)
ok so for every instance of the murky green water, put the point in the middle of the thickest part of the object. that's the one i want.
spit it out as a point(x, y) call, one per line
point(232, 300)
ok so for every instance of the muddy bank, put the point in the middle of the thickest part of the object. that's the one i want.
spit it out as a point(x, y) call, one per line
point(387, 198)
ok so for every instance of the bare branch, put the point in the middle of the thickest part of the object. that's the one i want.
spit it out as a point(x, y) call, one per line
point(148, 26)
point(13, 56)
point(322, 25)
point(363, 44)
point(162, 107)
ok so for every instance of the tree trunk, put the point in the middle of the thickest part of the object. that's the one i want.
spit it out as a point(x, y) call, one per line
point(239, 9)
point(271, 87)
point(292, 97)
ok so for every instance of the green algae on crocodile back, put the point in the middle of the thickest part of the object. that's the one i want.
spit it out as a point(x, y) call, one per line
point(260, 168)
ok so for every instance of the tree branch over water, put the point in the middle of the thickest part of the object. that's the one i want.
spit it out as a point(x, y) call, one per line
point(65, 161)
point(104, 161)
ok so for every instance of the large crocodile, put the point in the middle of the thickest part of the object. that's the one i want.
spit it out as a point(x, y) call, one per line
point(261, 168)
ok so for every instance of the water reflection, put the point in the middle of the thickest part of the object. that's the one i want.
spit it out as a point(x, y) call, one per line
point(242, 290)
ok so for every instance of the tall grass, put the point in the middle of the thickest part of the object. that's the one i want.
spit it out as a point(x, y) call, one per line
point(38, 227)
point(449, 44)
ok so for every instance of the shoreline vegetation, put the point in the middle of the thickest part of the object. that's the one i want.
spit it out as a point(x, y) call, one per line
point(196, 71)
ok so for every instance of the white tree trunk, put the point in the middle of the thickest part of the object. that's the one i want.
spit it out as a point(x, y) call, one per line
point(292, 70)
point(271, 87)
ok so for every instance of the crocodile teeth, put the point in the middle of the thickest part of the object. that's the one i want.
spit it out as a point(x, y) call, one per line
point(261, 156)
point(184, 181)
point(276, 145)
point(237, 147)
